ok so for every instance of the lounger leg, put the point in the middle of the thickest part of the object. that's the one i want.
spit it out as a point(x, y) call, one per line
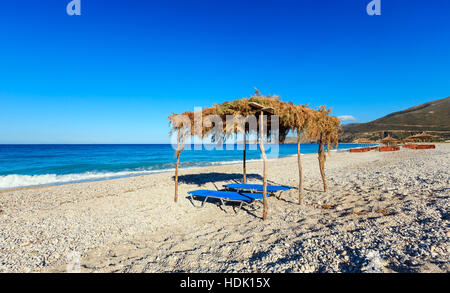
point(223, 205)
point(192, 201)
point(203, 203)
point(240, 207)
point(277, 195)
point(201, 206)
point(224, 209)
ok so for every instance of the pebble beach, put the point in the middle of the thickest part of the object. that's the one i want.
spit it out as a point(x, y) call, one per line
point(383, 212)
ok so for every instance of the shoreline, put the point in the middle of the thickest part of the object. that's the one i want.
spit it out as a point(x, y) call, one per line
point(377, 203)
point(139, 174)
point(106, 176)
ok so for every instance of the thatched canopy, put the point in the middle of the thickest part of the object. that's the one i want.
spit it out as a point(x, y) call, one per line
point(388, 140)
point(324, 128)
point(291, 116)
point(247, 115)
point(317, 125)
point(421, 137)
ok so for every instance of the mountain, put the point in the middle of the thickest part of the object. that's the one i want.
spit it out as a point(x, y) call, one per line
point(433, 117)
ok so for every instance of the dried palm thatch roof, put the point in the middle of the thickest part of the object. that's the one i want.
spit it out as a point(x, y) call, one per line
point(323, 127)
point(317, 125)
point(388, 140)
point(291, 116)
point(420, 137)
point(287, 117)
point(424, 134)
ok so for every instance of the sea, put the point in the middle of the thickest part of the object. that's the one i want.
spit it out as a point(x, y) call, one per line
point(37, 165)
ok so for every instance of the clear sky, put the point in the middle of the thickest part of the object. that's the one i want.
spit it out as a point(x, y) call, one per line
point(114, 74)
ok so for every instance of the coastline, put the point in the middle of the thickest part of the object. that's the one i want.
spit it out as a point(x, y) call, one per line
point(378, 202)
point(19, 181)
point(139, 174)
point(130, 174)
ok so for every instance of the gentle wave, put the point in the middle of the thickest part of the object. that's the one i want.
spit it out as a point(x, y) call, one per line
point(16, 181)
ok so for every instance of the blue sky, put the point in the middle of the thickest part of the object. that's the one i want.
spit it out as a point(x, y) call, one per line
point(114, 74)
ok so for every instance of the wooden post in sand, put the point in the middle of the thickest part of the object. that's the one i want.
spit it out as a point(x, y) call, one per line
point(300, 172)
point(244, 166)
point(180, 145)
point(263, 153)
point(176, 175)
point(322, 159)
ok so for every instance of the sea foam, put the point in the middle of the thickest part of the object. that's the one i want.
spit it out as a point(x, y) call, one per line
point(14, 181)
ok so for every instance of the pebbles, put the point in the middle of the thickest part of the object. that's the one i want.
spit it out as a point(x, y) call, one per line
point(132, 224)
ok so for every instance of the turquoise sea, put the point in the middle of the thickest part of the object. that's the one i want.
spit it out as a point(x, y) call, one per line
point(34, 165)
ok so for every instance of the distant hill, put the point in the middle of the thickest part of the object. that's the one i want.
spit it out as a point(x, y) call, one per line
point(433, 117)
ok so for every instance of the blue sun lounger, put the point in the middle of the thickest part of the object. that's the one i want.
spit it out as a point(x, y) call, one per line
point(256, 187)
point(225, 196)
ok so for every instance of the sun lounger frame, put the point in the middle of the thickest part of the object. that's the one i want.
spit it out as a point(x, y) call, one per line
point(223, 202)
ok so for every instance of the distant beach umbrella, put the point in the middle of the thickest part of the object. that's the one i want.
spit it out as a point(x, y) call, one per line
point(421, 137)
point(388, 140)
